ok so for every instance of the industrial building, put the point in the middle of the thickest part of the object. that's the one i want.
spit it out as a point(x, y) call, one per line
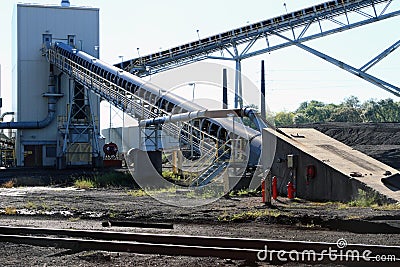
point(59, 81)
point(57, 120)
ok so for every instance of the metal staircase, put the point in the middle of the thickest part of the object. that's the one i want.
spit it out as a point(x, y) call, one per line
point(216, 169)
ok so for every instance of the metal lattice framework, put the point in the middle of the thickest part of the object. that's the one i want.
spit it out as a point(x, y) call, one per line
point(252, 40)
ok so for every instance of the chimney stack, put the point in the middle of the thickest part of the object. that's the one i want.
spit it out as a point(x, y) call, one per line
point(65, 3)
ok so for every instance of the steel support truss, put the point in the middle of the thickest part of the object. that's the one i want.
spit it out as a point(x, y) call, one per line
point(79, 133)
point(259, 38)
point(359, 72)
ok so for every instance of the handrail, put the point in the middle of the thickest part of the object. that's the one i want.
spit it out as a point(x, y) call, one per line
point(123, 99)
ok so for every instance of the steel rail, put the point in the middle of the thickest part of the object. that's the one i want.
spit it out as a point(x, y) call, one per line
point(196, 246)
point(133, 247)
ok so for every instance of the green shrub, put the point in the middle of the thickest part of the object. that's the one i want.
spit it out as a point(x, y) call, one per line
point(365, 199)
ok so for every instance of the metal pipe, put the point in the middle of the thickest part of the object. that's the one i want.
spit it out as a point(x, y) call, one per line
point(52, 100)
point(223, 113)
point(263, 112)
point(189, 116)
point(224, 89)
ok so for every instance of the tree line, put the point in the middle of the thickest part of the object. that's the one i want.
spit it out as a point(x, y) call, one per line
point(350, 110)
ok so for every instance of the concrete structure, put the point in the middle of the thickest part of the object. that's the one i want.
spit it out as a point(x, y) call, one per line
point(32, 24)
point(323, 168)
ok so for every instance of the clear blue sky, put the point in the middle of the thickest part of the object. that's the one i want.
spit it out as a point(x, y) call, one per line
point(293, 76)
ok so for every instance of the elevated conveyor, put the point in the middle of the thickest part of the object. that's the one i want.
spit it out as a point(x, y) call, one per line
point(143, 100)
point(341, 14)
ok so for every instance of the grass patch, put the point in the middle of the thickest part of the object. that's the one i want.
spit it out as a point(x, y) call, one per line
point(114, 179)
point(8, 184)
point(108, 179)
point(245, 193)
point(74, 219)
point(248, 215)
point(137, 193)
point(30, 205)
point(169, 175)
point(84, 183)
point(151, 192)
point(394, 206)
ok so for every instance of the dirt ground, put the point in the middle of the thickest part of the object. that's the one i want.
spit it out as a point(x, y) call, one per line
point(60, 206)
point(236, 217)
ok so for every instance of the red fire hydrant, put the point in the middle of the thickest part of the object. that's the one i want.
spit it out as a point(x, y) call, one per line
point(263, 190)
point(274, 188)
point(290, 190)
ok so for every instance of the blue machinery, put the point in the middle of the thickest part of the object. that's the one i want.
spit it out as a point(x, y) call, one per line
point(126, 91)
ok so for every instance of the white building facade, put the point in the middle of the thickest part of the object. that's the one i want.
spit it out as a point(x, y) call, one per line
point(30, 72)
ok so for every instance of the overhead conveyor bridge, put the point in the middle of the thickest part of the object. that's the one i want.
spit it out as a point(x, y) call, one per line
point(296, 24)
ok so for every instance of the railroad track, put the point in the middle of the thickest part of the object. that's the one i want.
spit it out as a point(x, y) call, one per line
point(273, 251)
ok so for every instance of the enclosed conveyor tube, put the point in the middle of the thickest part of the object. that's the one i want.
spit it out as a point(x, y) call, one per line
point(51, 110)
point(190, 116)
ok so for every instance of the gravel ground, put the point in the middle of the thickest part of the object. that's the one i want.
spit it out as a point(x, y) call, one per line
point(70, 208)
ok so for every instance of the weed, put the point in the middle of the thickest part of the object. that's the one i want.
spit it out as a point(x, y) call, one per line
point(113, 215)
point(10, 210)
point(44, 206)
point(191, 194)
point(354, 217)
point(169, 175)
point(394, 206)
point(137, 193)
point(74, 219)
point(8, 184)
point(84, 184)
point(248, 215)
point(342, 206)
point(107, 179)
point(30, 205)
point(245, 193)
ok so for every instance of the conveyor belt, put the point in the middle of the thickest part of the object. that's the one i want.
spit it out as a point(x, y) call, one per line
point(201, 49)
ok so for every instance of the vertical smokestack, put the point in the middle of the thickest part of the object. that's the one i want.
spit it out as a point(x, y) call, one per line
point(65, 3)
point(224, 89)
point(263, 113)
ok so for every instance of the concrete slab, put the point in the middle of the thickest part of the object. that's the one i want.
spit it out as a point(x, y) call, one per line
point(342, 158)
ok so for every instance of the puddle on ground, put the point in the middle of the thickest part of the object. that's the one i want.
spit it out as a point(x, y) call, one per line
point(22, 191)
point(64, 213)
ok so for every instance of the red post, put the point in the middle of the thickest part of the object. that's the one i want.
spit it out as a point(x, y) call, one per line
point(274, 188)
point(263, 190)
point(290, 190)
